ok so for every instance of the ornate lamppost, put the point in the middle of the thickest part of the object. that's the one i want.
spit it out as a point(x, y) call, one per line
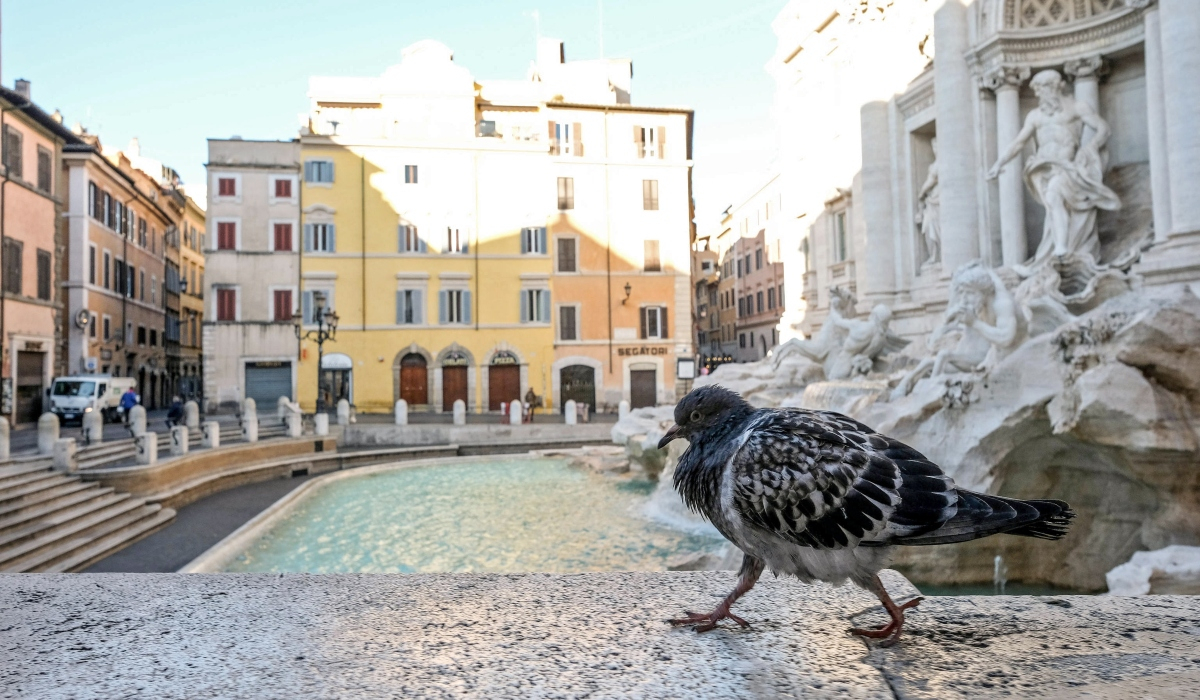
point(326, 320)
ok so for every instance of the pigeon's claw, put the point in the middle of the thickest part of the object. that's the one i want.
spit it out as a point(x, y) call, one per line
point(889, 633)
point(705, 622)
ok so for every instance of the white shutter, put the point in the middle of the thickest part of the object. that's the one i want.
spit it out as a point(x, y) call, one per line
point(418, 304)
point(442, 307)
point(542, 240)
point(545, 294)
point(524, 305)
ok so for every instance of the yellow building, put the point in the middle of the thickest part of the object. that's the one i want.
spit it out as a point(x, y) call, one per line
point(476, 240)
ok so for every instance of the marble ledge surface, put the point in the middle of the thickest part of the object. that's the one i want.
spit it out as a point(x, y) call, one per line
point(567, 636)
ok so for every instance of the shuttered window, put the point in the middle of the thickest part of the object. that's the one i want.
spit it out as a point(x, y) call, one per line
point(566, 193)
point(535, 306)
point(651, 262)
point(282, 305)
point(410, 307)
point(650, 195)
point(226, 235)
point(320, 238)
point(456, 241)
point(649, 141)
point(44, 264)
point(654, 322)
point(283, 235)
point(45, 170)
point(283, 188)
point(315, 302)
point(226, 304)
point(410, 240)
point(454, 306)
point(226, 187)
point(566, 255)
point(567, 323)
point(12, 153)
point(318, 171)
point(410, 174)
point(533, 240)
point(13, 268)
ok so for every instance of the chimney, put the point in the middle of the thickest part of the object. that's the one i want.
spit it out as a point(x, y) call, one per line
point(550, 52)
point(22, 88)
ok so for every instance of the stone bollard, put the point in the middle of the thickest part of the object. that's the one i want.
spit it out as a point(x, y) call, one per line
point(47, 433)
point(514, 413)
point(569, 414)
point(343, 412)
point(249, 421)
point(321, 424)
point(93, 428)
point(210, 434)
point(64, 455)
point(147, 448)
point(137, 420)
point(295, 424)
point(179, 440)
point(622, 409)
point(460, 412)
point(283, 406)
point(5, 448)
point(401, 412)
point(191, 414)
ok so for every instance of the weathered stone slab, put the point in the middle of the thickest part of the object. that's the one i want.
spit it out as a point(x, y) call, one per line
point(541, 635)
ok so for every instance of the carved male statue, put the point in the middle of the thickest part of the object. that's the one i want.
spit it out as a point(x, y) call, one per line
point(1064, 174)
point(866, 339)
point(929, 211)
point(982, 310)
point(829, 338)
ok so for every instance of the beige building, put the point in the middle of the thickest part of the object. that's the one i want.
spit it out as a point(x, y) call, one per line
point(251, 274)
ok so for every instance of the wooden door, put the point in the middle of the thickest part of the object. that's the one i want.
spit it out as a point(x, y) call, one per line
point(29, 385)
point(454, 386)
point(642, 388)
point(504, 385)
point(414, 380)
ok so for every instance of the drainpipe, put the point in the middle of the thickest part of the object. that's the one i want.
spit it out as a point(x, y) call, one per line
point(607, 248)
point(362, 204)
point(3, 218)
point(299, 269)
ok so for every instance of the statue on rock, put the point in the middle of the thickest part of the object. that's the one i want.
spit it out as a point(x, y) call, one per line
point(983, 312)
point(929, 211)
point(829, 338)
point(1065, 174)
point(865, 341)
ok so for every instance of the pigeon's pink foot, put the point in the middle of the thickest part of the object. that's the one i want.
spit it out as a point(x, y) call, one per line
point(708, 621)
point(889, 633)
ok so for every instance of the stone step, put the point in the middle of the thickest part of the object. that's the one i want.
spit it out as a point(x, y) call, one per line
point(54, 522)
point(54, 507)
point(17, 481)
point(143, 522)
point(9, 496)
point(12, 471)
point(51, 545)
point(47, 496)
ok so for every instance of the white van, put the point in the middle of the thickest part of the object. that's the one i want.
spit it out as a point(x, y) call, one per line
point(71, 397)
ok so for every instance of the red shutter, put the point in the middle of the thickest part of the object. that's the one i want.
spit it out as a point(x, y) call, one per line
point(226, 187)
point(283, 305)
point(283, 237)
point(283, 189)
point(226, 305)
point(226, 235)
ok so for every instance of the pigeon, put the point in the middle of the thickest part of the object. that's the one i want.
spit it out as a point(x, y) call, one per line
point(819, 496)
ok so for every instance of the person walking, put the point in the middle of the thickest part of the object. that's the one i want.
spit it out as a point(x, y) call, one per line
point(128, 400)
point(175, 412)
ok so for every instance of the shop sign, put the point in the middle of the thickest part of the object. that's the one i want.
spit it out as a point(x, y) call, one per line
point(643, 350)
point(504, 358)
point(458, 359)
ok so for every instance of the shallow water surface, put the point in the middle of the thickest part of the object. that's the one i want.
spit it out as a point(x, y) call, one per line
point(501, 516)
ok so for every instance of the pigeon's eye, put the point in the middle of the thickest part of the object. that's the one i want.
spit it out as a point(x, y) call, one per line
point(696, 416)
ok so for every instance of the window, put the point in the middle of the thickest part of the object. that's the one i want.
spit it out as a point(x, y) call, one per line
point(281, 302)
point(410, 174)
point(654, 322)
point(739, 267)
point(780, 296)
point(650, 259)
point(410, 240)
point(566, 193)
point(741, 306)
point(314, 302)
point(410, 307)
point(110, 212)
point(650, 195)
point(283, 231)
point(533, 240)
point(318, 171)
point(566, 255)
point(454, 306)
point(566, 139)
point(154, 289)
point(153, 337)
point(12, 153)
point(771, 298)
point(648, 141)
point(741, 340)
point(226, 235)
point(839, 237)
point(747, 265)
point(283, 188)
point(13, 250)
point(92, 325)
point(758, 259)
point(226, 304)
point(107, 265)
point(320, 238)
point(758, 302)
point(45, 174)
point(535, 306)
point(141, 335)
point(456, 241)
point(91, 264)
point(129, 333)
point(142, 282)
point(142, 238)
point(567, 329)
point(107, 327)
point(43, 274)
point(226, 187)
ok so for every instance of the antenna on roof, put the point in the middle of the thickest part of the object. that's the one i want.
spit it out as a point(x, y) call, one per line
point(600, 6)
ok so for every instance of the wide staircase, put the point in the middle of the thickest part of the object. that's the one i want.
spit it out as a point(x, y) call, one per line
point(52, 522)
point(125, 451)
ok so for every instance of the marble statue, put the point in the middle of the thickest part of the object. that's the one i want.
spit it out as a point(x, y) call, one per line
point(982, 311)
point(1065, 173)
point(829, 338)
point(929, 211)
point(865, 341)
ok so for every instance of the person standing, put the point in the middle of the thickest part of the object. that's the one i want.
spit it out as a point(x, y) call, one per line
point(128, 400)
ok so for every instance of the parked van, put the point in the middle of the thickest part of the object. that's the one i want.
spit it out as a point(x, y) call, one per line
point(71, 397)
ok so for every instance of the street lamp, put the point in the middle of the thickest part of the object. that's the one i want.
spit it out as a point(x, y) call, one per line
point(326, 329)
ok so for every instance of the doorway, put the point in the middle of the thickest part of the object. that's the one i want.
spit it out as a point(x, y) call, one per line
point(30, 385)
point(578, 384)
point(336, 381)
point(414, 380)
point(643, 388)
point(454, 386)
point(504, 384)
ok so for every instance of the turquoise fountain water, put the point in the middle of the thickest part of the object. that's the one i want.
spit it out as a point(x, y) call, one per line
point(501, 516)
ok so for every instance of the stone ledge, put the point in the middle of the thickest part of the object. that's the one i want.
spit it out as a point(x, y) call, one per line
point(597, 635)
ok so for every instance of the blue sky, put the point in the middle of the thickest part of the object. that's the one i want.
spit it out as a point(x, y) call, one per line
point(176, 73)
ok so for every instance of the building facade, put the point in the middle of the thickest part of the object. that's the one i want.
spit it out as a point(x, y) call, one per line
point(250, 279)
point(479, 242)
point(189, 379)
point(31, 252)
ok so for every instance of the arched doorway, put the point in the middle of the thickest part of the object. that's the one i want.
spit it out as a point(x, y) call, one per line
point(336, 379)
point(643, 385)
point(504, 380)
point(414, 380)
point(454, 379)
point(578, 384)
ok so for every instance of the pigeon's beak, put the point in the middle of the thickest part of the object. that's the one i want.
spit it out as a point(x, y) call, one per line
point(671, 435)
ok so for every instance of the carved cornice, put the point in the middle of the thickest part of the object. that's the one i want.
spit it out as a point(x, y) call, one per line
point(1054, 46)
point(1092, 67)
point(918, 97)
point(1005, 76)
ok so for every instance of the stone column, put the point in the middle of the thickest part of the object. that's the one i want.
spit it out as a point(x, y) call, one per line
point(1006, 83)
point(1087, 72)
point(1156, 127)
point(1179, 28)
point(877, 200)
point(958, 171)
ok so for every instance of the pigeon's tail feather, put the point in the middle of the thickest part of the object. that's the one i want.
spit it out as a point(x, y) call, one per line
point(982, 515)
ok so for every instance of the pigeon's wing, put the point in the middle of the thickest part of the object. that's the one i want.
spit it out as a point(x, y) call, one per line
point(823, 480)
